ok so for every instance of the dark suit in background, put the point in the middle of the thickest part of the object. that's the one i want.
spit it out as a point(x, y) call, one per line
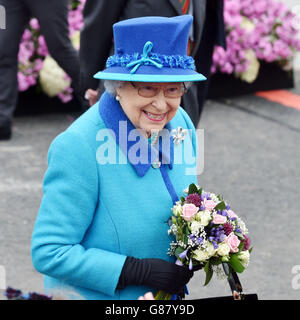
point(96, 41)
point(53, 19)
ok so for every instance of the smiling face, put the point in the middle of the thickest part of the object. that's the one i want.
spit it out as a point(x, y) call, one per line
point(149, 113)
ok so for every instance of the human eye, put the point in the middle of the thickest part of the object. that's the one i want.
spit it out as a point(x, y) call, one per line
point(148, 88)
point(173, 90)
point(147, 91)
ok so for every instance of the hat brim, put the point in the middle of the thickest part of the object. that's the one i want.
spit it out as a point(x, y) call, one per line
point(150, 74)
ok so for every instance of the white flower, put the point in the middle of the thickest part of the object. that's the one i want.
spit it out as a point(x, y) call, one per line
point(204, 217)
point(253, 67)
point(244, 257)
point(200, 255)
point(173, 229)
point(195, 227)
point(223, 249)
point(209, 248)
point(214, 198)
point(53, 79)
point(242, 226)
point(177, 209)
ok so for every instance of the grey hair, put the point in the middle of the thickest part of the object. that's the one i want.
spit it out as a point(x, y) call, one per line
point(111, 86)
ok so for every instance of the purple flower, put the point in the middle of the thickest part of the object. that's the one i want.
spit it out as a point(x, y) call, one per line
point(200, 240)
point(215, 245)
point(247, 242)
point(227, 227)
point(183, 254)
point(224, 213)
point(191, 264)
point(194, 198)
point(192, 237)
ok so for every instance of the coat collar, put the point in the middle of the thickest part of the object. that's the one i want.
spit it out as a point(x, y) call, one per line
point(116, 120)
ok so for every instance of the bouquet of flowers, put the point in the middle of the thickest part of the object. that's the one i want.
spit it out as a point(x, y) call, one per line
point(207, 233)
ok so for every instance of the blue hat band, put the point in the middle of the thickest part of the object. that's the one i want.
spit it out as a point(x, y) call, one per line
point(134, 61)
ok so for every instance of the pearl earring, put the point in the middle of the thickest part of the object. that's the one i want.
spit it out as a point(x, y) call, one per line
point(117, 98)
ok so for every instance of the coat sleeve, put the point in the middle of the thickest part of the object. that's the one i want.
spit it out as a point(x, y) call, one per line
point(96, 37)
point(70, 198)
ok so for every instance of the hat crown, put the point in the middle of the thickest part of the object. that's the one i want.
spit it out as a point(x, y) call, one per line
point(169, 36)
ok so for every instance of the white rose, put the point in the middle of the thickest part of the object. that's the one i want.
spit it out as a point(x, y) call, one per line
point(210, 249)
point(244, 257)
point(200, 255)
point(223, 249)
point(52, 77)
point(204, 217)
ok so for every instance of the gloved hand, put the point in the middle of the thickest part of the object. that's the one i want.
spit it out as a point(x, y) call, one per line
point(155, 273)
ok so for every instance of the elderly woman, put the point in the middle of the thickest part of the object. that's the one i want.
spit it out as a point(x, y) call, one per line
point(115, 173)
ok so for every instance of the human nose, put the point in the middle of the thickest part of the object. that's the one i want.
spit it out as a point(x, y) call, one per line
point(159, 101)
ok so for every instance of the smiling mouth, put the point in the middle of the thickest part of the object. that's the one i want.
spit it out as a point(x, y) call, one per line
point(155, 117)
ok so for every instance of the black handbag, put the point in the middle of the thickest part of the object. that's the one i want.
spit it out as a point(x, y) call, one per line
point(235, 286)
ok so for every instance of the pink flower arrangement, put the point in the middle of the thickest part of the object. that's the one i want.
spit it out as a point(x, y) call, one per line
point(33, 50)
point(257, 30)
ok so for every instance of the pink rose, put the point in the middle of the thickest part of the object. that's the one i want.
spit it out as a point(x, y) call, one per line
point(218, 219)
point(232, 214)
point(209, 204)
point(233, 242)
point(189, 211)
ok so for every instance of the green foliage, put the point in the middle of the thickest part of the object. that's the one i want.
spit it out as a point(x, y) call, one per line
point(209, 272)
point(220, 206)
point(192, 189)
point(236, 264)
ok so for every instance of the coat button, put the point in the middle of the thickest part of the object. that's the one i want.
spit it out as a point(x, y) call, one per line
point(156, 164)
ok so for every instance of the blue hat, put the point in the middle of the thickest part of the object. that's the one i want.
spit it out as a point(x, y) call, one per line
point(151, 49)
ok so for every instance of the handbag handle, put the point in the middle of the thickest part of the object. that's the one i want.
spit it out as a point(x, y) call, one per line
point(234, 282)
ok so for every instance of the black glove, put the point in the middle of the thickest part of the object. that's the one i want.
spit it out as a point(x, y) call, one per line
point(155, 273)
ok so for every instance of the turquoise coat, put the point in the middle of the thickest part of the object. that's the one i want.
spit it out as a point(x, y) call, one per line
point(100, 205)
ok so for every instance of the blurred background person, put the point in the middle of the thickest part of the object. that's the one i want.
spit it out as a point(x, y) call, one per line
point(96, 41)
point(53, 19)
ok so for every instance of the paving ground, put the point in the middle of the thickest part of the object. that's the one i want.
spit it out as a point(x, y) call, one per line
point(252, 156)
